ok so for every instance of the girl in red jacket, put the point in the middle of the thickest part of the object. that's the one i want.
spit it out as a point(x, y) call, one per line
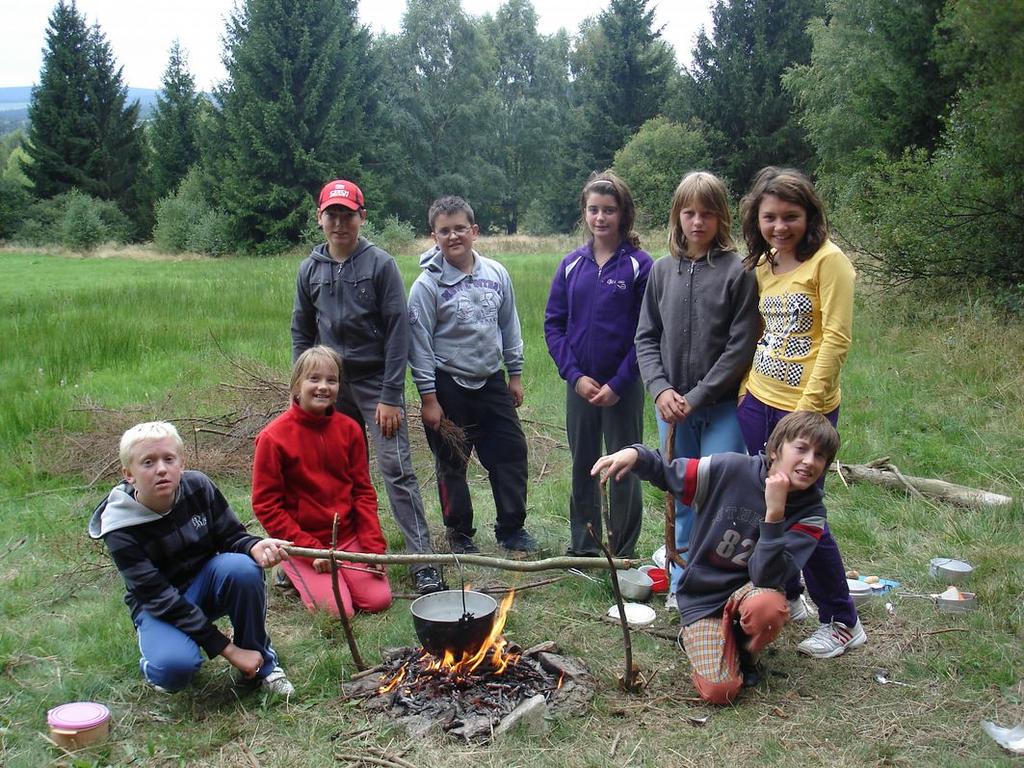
point(311, 465)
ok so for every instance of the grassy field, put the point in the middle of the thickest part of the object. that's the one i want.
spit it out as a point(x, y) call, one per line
point(935, 387)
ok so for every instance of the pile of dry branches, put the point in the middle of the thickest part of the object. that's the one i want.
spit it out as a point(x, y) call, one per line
point(221, 444)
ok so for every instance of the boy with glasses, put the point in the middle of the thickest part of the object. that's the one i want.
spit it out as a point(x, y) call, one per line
point(350, 297)
point(464, 324)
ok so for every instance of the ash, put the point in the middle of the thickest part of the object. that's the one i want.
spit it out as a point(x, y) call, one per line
point(476, 706)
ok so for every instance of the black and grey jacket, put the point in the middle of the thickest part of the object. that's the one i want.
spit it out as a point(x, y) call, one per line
point(356, 307)
point(158, 556)
point(731, 543)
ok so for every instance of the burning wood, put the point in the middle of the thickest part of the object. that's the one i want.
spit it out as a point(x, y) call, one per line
point(478, 694)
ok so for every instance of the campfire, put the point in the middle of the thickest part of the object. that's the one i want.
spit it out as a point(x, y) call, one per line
point(472, 693)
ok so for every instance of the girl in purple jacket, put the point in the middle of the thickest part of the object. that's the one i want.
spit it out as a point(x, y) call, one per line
point(589, 326)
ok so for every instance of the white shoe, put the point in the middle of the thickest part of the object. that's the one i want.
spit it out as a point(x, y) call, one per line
point(798, 610)
point(833, 639)
point(670, 602)
point(277, 682)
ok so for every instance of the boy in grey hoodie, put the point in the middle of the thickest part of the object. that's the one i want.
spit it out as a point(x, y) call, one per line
point(464, 324)
point(186, 560)
point(349, 296)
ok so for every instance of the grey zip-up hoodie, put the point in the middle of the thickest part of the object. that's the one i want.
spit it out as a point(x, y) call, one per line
point(464, 325)
point(698, 327)
point(356, 307)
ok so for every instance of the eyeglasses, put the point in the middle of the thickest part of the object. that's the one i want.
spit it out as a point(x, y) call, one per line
point(458, 231)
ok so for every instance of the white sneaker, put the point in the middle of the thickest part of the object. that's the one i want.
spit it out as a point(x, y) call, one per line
point(798, 609)
point(277, 682)
point(670, 602)
point(833, 639)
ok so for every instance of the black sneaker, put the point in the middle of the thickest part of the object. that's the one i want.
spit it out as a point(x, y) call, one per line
point(520, 541)
point(461, 544)
point(428, 580)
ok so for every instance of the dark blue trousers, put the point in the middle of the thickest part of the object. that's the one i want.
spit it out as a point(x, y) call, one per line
point(230, 584)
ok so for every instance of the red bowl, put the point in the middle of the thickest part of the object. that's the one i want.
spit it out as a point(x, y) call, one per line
point(660, 579)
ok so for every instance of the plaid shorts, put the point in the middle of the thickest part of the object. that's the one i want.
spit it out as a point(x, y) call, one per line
point(710, 643)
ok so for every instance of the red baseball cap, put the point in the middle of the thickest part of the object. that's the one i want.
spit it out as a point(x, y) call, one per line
point(341, 192)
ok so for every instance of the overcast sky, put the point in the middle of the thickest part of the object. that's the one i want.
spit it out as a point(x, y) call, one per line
point(141, 31)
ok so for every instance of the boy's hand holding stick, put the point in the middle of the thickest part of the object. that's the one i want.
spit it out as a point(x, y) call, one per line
point(615, 465)
point(269, 552)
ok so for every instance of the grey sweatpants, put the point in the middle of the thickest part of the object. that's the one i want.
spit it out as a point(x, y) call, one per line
point(587, 427)
point(358, 399)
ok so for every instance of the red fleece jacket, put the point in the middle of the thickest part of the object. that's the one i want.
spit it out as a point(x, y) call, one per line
point(307, 469)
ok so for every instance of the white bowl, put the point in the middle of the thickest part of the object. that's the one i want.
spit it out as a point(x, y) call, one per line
point(635, 584)
point(637, 614)
point(860, 591)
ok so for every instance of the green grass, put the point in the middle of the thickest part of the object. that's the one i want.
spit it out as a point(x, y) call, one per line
point(935, 387)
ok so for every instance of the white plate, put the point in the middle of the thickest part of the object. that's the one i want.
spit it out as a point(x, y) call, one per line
point(858, 587)
point(637, 614)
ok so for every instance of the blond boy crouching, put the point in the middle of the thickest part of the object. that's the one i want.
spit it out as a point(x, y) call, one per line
point(186, 560)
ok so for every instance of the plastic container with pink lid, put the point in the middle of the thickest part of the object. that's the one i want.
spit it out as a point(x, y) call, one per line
point(79, 723)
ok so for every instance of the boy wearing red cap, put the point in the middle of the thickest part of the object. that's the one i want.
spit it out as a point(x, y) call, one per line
point(349, 295)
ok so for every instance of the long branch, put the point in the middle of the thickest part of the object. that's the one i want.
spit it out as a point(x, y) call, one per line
point(526, 566)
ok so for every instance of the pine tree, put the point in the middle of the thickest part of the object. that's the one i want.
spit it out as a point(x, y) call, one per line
point(61, 132)
point(173, 128)
point(82, 134)
point(622, 69)
point(117, 166)
point(296, 111)
point(738, 88)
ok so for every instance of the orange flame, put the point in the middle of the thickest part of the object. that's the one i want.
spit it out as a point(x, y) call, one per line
point(393, 682)
point(493, 647)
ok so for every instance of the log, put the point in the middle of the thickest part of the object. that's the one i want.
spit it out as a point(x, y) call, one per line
point(525, 566)
point(889, 476)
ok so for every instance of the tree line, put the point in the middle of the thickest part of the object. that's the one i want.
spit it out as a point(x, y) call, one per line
point(908, 114)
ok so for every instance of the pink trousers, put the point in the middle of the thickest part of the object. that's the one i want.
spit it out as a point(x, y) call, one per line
point(360, 591)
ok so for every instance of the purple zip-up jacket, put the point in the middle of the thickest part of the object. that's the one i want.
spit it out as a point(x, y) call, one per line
point(592, 313)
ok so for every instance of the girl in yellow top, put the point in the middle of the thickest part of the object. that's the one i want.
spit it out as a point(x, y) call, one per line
point(805, 286)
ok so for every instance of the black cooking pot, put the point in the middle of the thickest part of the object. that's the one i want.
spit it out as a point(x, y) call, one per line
point(442, 623)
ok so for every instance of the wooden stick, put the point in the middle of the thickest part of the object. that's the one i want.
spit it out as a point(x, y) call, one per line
point(960, 495)
point(525, 566)
point(672, 555)
point(629, 679)
point(345, 623)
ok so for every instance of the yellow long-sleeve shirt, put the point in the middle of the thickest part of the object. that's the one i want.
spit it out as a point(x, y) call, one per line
point(808, 323)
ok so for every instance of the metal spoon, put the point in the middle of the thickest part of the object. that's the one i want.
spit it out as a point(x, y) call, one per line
point(883, 680)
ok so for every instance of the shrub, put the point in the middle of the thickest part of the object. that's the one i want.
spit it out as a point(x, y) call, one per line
point(15, 201)
point(82, 229)
point(654, 161)
point(212, 234)
point(74, 220)
point(185, 221)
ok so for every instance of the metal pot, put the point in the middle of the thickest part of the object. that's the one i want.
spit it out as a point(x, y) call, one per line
point(453, 620)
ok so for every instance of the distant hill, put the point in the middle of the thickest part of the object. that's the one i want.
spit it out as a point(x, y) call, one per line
point(14, 105)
